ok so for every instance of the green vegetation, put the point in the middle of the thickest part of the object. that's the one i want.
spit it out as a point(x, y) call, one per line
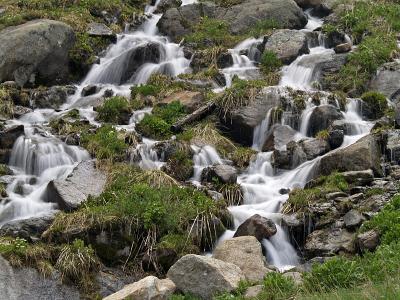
point(158, 124)
point(106, 144)
point(115, 110)
point(300, 199)
point(373, 25)
point(180, 165)
point(270, 62)
point(376, 102)
point(322, 135)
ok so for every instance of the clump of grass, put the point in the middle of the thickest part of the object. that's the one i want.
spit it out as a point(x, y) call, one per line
point(180, 165)
point(322, 135)
point(232, 193)
point(270, 62)
point(115, 110)
point(106, 144)
point(158, 124)
point(242, 156)
point(76, 261)
point(376, 102)
point(156, 179)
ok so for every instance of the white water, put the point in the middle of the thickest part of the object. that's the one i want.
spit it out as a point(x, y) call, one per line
point(205, 156)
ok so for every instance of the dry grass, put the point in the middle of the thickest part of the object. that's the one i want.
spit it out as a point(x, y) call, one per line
point(207, 134)
point(156, 179)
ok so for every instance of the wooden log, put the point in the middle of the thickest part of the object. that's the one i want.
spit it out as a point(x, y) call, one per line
point(198, 114)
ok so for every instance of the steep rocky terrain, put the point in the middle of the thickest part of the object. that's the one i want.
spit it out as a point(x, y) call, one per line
point(227, 149)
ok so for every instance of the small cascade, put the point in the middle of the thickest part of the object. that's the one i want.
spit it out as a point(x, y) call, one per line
point(305, 117)
point(260, 131)
point(36, 159)
point(204, 157)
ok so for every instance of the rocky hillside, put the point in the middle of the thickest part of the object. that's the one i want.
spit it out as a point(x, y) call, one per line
point(227, 149)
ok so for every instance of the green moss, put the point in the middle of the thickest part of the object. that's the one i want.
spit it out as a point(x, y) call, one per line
point(158, 124)
point(270, 62)
point(376, 102)
point(105, 144)
point(114, 110)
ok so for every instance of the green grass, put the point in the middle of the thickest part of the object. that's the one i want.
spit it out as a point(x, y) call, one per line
point(158, 124)
point(376, 102)
point(114, 110)
point(270, 62)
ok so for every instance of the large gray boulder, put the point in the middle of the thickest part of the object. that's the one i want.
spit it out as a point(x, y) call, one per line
point(52, 97)
point(278, 137)
point(322, 117)
point(178, 22)
point(29, 229)
point(149, 288)
point(36, 52)
point(387, 81)
point(257, 226)
point(205, 277)
point(246, 253)
point(363, 155)
point(223, 173)
point(287, 44)
point(28, 284)
point(86, 180)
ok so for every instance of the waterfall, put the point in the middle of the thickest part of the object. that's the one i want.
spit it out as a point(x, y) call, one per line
point(204, 157)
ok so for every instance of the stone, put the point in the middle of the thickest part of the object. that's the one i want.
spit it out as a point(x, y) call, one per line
point(364, 177)
point(326, 242)
point(328, 66)
point(287, 44)
point(222, 173)
point(295, 276)
point(343, 48)
point(164, 5)
point(52, 97)
point(363, 155)
point(9, 135)
point(367, 241)
point(29, 229)
point(393, 145)
point(19, 111)
point(353, 219)
point(322, 117)
point(149, 288)
point(190, 100)
point(90, 90)
point(278, 137)
point(205, 277)
point(314, 147)
point(253, 292)
point(335, 139)
point(101, 30)
point(36, 52)
point(335, 195)
point(29, 284)
point(257, 226)
point(84, 181)
point(178, 22)
point(386, 81)
point(246, 253)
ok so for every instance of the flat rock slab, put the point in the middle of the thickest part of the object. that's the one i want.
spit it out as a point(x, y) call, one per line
point(84, 181)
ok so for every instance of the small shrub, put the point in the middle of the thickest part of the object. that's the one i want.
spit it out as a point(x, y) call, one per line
point(376, 102)
point(270, 62)
point(144, 90)
point(115, 110)
point(322, 135)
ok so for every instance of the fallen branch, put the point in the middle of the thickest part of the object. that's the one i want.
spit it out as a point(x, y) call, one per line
point(198, 114)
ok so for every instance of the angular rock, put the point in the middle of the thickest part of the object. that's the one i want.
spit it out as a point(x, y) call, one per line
point(353, 219)
point(257, 226)
point(367, 241)
point(322, 117)
point(190, 100)
point(343, 48)
point(393, 145)
point(314, 147)
point(36, 52)
point(71, 192)
point(29, 229)
point(29, 284)
point(9, 135)
point(386, 81)
point(164, 5)
point(326, 242)
point(287, 44)
point(246, 253)
point(204, 276)
point(89, 90)
point(364, 177)
point(335, 139)
point(149, 288)
point(327, 67)
point(101, 30)
point(52, 97)
point(223, 173)
point(362, 155)
point(278, 137)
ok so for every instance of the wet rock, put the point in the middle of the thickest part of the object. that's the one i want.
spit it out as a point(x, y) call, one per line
point(257, 226)
point(9, 135)
point(386, 81)
point(335, 38)
point(71, 192)
point(278, 137)
point(364, 177)
point(28, 284)
point(52, 97)
point(335, 195)
point(393, 145)
point(101, 30)
point(327, 67)
point(246, 253)
point(363, 155)
point(29, 229)
point(19, 111)
point(353, 219)
point(287, 44)
point(36, 52)
point(343, 48)
point(322, 117)
point(326, 242)
point(335, 139)
point(240, 123)
point(89, 90)
point(204, 277)
point(367, 241)
point(149, 288)
point(164, 5)
point(178, 22)
point(222, 173)
point(190, 100)
point(314, 147)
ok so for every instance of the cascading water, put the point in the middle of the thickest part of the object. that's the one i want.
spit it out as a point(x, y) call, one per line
point(204, 157)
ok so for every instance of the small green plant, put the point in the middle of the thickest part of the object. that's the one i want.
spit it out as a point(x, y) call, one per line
point(115, 110)
point(144, 90)
point(276, 286)
point(270, 62)
point(323, 135)
point(376, 102)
